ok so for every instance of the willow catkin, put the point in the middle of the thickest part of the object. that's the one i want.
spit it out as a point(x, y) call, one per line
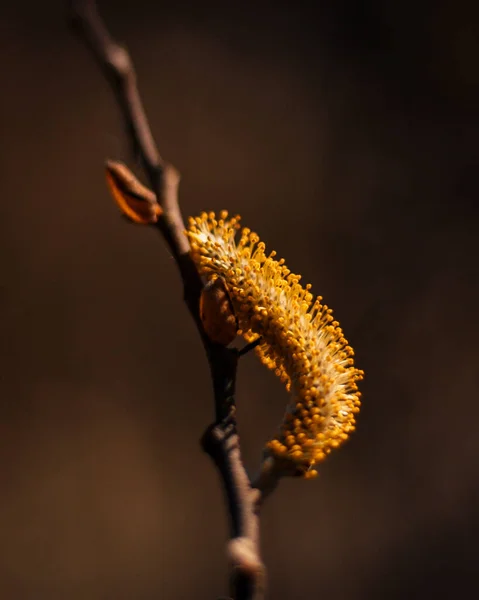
point(300, 340)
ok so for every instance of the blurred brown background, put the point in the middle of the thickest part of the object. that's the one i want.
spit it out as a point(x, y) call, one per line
point(347, 137)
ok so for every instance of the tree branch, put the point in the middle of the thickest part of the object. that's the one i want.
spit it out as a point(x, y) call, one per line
point(163, 178)
point(221, 439)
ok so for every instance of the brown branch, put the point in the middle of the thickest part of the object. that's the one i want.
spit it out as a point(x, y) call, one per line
point(115, 61)
point(220, 440)
point(163, 178)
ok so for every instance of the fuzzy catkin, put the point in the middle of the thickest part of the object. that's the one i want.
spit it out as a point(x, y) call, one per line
point(300, 340)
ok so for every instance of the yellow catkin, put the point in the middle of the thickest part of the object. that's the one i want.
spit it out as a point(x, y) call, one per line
point(300, 340)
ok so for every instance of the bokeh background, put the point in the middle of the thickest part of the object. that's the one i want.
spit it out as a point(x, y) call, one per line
point(346, 134)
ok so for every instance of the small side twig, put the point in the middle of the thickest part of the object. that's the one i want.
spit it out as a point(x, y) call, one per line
point(221, 439)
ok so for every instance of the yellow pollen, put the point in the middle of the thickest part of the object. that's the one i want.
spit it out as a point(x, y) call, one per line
point(301, 342)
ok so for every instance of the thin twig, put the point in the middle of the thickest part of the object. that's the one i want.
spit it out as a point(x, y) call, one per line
point(220, 440)
point(116, 63)
point(163, 178)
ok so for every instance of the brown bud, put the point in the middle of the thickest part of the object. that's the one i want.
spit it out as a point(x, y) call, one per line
point(137, 202)
point(217, 312)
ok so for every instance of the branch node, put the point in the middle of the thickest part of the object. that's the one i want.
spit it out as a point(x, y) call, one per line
point(119, 62)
